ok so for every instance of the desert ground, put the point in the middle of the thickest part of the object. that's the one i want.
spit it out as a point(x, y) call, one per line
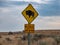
point(39, 37)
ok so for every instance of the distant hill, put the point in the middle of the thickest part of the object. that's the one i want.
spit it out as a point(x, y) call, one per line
point(52, 32)
point(47, 32)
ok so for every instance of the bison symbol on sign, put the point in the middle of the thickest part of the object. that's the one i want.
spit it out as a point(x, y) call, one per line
point(30, 13)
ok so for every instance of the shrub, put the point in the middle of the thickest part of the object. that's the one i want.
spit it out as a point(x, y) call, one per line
point(57, 38)
point(0, 36)
point(8, 39)
point(24, 37)
point(39, 36)
point(10, 33)
point(0, 44)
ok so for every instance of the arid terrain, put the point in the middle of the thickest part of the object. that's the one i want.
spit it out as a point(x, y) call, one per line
point(39, 37)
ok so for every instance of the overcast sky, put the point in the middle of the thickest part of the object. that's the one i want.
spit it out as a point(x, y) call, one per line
point(11, 18)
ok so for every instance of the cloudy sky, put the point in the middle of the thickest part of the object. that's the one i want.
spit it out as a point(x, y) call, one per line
point(11, 18)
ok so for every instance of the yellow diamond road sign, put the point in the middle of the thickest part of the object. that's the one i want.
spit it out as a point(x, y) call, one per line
point(29, 13)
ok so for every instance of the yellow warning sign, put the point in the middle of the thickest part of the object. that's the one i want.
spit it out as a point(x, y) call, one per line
point(29, 28)
point(29, 13)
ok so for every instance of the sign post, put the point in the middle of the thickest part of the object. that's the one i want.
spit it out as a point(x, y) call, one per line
point(29, 14)
point(28, 38)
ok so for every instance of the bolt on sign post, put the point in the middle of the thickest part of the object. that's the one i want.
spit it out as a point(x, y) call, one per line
point(29, 14)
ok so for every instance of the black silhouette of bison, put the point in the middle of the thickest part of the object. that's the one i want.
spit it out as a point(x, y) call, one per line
point(30, 13)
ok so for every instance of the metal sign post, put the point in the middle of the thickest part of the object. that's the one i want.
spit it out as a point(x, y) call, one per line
point(30, 14)
point(28, 38)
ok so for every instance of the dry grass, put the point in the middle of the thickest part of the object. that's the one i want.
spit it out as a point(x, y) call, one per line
point(51, 37)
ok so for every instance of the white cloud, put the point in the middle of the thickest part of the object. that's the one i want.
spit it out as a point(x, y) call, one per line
point(4, 10)
point(52, 22)
point(38, 1)
point(11, 18)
